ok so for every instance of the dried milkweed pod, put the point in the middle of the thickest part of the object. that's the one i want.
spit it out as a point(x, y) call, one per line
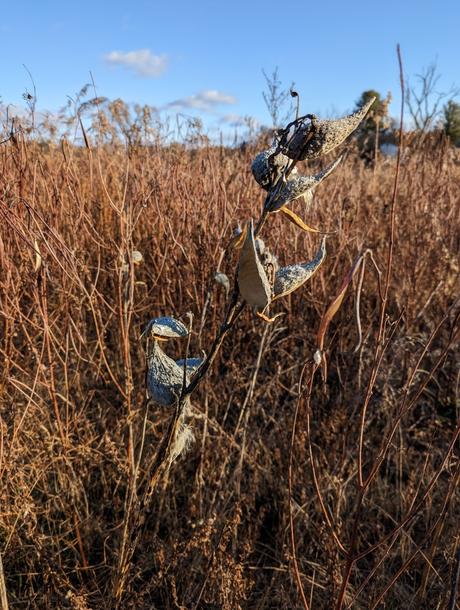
point(315, 137)
point(268, 166)
point(165, 327)
point(191, 364)
point(261, 281)
point(292, 277)
point(299, 186)
point(165, 376)
point(252, 279)
point(222, 279)
point(137, 257)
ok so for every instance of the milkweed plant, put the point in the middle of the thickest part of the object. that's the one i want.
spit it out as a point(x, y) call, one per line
point(259, 280)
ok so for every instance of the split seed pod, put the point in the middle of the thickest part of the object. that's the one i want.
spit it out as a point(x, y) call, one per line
point(316, 137)
point(193, 364)
point(288, 279)
point(268, 167)
point(165, 376)
point(165, 328)
point(299, 186)
point(252, 279)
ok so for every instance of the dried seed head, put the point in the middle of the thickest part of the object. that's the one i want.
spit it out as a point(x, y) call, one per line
point(165, 327)
point(289, 278)
point(314, 137)
point(268, 167)
point(252, 279)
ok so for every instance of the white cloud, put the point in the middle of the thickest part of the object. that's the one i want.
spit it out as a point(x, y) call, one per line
point(142, 62)
point(236, 120)
point(205, 100)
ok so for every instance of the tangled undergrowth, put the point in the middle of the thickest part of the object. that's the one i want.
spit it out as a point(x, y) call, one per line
point(94, 242)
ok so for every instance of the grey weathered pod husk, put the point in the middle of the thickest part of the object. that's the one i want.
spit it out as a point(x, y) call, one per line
point(193, 364)
point(164, 377)
point(288, 279)
point(166, 327)
point(252, 279)
point(222, 279)
point(299, 186)
point(268, 167)
point(316, 137)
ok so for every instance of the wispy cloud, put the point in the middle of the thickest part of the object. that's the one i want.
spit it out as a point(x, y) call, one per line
point(236, 120)
point(206, 101)
point(143, 62)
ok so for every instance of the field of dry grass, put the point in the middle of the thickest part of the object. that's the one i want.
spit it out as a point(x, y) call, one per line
point(78, 439)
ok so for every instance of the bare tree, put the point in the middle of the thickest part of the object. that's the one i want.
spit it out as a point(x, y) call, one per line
point(424, 100)
point(275, 98)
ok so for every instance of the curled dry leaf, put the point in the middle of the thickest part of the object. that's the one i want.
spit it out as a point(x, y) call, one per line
point(290, 215)
point(316, 137)
point(335, 304)
point(38, 256)
point(237, 238)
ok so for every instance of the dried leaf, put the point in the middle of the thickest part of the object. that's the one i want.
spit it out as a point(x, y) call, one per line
point(336, 303)
point(38, 256)
point(136, 257)
point(298, 221)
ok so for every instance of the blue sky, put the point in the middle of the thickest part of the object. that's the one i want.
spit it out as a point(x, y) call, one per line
point(206, 58)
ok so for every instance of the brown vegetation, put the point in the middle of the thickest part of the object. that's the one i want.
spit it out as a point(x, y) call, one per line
point(78, 440)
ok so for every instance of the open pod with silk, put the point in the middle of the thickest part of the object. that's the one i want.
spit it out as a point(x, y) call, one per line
point(269, 166)
point(309, 137)
point(305, 138)
point(165, 376)
point(261, 281)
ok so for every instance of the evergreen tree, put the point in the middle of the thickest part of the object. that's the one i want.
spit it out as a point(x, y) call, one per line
point(451, 124)
point(376, 122)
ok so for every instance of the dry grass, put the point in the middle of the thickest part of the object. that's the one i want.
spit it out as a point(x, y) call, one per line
point(216, 533)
